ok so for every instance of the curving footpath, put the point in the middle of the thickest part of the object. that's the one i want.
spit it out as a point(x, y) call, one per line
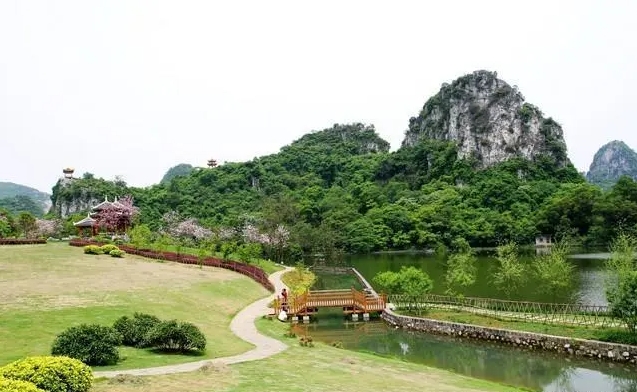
point(241, 325)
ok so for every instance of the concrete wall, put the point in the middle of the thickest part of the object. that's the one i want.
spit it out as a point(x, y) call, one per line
point(529, 340)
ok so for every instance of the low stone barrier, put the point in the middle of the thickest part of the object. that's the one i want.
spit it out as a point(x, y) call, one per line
point(529, 340)
point(21, 241)
point(254, 272)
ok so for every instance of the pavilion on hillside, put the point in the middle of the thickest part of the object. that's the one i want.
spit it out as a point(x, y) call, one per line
point(94, 220)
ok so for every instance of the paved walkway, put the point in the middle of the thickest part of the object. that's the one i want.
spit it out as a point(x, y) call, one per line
point(241, 325)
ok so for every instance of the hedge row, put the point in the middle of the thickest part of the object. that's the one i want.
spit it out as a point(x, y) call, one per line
point(21, 241)
point(251, 271)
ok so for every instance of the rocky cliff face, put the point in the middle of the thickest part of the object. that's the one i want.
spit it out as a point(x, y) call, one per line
point(611, 161)
point(78, 195)
point(490, 122)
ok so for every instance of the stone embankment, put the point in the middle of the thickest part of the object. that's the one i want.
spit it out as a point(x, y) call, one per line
point(528, 340)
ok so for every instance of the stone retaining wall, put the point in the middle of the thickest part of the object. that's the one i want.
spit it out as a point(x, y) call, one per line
point(567, 346)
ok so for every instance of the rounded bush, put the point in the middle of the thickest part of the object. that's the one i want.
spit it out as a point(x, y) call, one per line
point(108, 248)
point(92, 344)
point(52, 374)
point(174, 336)
point(93, 250)
point(9, 385)
point(117, 253)
point(134, 330)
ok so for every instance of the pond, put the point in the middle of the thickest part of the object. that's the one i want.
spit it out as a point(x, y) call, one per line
point(588, 288)
point(508, 365)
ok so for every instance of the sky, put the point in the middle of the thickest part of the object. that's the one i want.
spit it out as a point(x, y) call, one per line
point(132, 88)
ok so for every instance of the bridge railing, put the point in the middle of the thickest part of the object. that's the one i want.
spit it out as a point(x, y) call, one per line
point(539, 312)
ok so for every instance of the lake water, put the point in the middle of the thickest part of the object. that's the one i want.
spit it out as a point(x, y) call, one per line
point(508, 365)
point(588, 280)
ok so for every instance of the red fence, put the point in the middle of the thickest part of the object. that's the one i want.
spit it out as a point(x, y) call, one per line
point(21, 241)
point(251, 271)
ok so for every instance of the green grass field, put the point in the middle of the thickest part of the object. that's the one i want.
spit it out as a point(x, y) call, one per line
point(45, 289)
point(572, 331)
point(317, 369)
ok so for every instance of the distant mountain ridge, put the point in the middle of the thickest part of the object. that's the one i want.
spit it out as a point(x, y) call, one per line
point(612, 161)
point(9, 191)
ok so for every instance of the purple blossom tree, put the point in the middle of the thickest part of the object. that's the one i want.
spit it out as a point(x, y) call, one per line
point(176, 227)
point(47, 228)
point(118, 216)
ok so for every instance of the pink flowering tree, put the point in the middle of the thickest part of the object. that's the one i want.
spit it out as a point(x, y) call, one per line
point(45, 228)
point(118, 216)
point(185, 229)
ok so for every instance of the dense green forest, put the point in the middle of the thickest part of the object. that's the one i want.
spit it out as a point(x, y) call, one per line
point(341, 187)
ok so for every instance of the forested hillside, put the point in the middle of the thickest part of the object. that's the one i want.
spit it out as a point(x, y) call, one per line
point(16, 198)
point(342, 188)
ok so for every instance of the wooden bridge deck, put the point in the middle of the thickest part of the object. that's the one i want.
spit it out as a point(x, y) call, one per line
point(352, 301)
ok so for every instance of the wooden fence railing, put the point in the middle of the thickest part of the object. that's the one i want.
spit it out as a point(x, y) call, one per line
point(254, 272)
point(540, 312)
point(359, 300)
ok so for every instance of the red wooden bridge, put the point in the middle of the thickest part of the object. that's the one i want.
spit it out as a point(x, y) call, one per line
point(352, 301)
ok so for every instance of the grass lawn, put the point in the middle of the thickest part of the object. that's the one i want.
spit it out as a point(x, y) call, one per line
point(45, 289)
point(582, 332)
point(321, 368)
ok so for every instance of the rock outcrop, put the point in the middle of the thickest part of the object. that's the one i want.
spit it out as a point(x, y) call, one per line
point(490, 122)
point(611, 161)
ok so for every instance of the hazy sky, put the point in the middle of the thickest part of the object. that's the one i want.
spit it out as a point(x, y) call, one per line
point(133, 87)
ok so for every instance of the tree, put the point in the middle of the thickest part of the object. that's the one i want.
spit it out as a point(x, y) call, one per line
point(411, 282)
point(140, 236)
point(7, 224)
point(553, 271)
point(622, 300)
point(461, 272)
point(621, 289)
point(119, 215)
point(26, 223)
point(510, 273)
point(45, 228)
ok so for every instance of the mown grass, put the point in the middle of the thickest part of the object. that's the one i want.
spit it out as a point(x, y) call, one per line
point(320, 368)
point(45, 289)
point(571, 331)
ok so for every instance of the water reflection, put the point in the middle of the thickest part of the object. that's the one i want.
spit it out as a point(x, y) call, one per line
point(535, 370)
point(587, 290)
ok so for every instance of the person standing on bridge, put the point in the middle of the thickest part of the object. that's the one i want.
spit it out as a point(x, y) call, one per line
point(284, 294)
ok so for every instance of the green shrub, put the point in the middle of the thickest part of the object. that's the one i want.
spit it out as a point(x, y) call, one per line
point(117, 253)
point(52, 374)
point(134, 330)
point(93, 344)
point(174, 336)
point(8, 385)
point(108, 248)
point(93, 250)
point(618, 336)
